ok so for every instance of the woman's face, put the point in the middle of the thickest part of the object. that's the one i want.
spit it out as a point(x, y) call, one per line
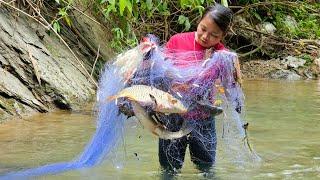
point(208, 33)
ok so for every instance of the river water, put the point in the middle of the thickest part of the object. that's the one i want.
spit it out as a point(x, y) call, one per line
point(284, 129)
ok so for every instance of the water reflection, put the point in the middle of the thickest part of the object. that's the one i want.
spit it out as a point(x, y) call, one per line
point(284, 130)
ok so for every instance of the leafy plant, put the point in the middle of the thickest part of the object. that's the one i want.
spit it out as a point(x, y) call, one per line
point(135, 18)
point(62, 15)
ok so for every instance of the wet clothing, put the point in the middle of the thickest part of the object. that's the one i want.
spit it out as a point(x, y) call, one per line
point(186, 42)
point(202, 140)
point(202, 144)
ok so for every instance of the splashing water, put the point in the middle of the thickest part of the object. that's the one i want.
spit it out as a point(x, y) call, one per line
point(184, 75)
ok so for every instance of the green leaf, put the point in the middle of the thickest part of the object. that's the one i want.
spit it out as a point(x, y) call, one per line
point(57, 1)
point(125, 4)
point(149, 4)
point(112, 2)
point(182, 19)
point(187, 24)
point(165, 13)
point(68, 20)
point(224, 3)
point(185, 4)
point(200, 9)
point(110, 8)
point(56, 27)
point(62, 12)
point(257, 16)
point(118, 33)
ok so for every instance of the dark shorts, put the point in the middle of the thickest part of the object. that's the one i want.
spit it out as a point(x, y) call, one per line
point(202, 144)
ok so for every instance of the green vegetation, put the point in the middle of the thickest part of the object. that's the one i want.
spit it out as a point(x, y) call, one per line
point(305, 15)
point(132, 19)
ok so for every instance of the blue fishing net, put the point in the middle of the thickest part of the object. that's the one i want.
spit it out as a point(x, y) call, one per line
point(106, 138)
point(208, 86)
point(205, 84)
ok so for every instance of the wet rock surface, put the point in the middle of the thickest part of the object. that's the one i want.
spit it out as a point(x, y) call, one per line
point(38, 73)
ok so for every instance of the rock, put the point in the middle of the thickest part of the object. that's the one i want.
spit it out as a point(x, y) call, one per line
point(267, 27)
point(290, 23)
point(26, 59)
point(293, 62)
point(13, 88)
point(284, 74)
point(315, 67)
point(317, 63)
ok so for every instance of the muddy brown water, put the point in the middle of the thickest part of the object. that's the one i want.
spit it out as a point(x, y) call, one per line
point(284, 129)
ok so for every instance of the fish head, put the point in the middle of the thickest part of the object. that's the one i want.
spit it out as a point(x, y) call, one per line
point(175, 105)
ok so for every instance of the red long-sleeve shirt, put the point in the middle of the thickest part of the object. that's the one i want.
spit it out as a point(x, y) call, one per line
point(186, 42)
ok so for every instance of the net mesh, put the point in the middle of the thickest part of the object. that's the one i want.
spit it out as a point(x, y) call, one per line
point(205, 84)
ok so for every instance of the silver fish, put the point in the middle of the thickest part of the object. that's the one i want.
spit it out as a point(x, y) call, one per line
point(155, 127)
point(158, 100)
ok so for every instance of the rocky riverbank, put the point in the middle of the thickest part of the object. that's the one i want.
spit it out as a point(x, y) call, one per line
point(38, 73)
point(288, 68)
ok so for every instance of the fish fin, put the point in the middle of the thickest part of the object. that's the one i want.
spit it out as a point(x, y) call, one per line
point(153, 115)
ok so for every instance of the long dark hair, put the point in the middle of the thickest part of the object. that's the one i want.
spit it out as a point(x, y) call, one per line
point(221, 15)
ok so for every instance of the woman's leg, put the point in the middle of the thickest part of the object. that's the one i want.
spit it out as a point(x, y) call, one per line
point(172, 152)
point(202, 144)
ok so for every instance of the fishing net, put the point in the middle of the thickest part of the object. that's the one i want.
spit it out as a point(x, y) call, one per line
point(205, 83)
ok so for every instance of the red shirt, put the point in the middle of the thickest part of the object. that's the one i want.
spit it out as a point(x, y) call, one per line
point(186, 42)
point(182, 42)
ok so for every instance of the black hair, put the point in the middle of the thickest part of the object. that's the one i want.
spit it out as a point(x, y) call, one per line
point(220, 14)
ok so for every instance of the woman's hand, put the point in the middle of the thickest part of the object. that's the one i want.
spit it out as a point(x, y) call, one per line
point(146, 45)
point(208, 53)
point(125, 107)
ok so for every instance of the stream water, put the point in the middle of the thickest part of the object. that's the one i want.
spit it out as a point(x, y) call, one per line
point(284, 129)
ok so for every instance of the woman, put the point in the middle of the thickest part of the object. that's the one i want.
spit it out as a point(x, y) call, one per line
point(211, 29)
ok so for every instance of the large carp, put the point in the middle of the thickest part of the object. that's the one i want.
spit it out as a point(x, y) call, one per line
point(155, 127)
point(158, 100)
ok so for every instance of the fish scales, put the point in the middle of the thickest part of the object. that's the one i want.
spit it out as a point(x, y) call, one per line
point(159, 100)
point(156, 128)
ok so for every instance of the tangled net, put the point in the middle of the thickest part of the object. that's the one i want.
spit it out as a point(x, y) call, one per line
point(201, 85)
point(198, 83)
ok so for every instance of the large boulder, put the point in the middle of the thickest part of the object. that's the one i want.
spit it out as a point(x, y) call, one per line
point(37, 72)
point(285, 74)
